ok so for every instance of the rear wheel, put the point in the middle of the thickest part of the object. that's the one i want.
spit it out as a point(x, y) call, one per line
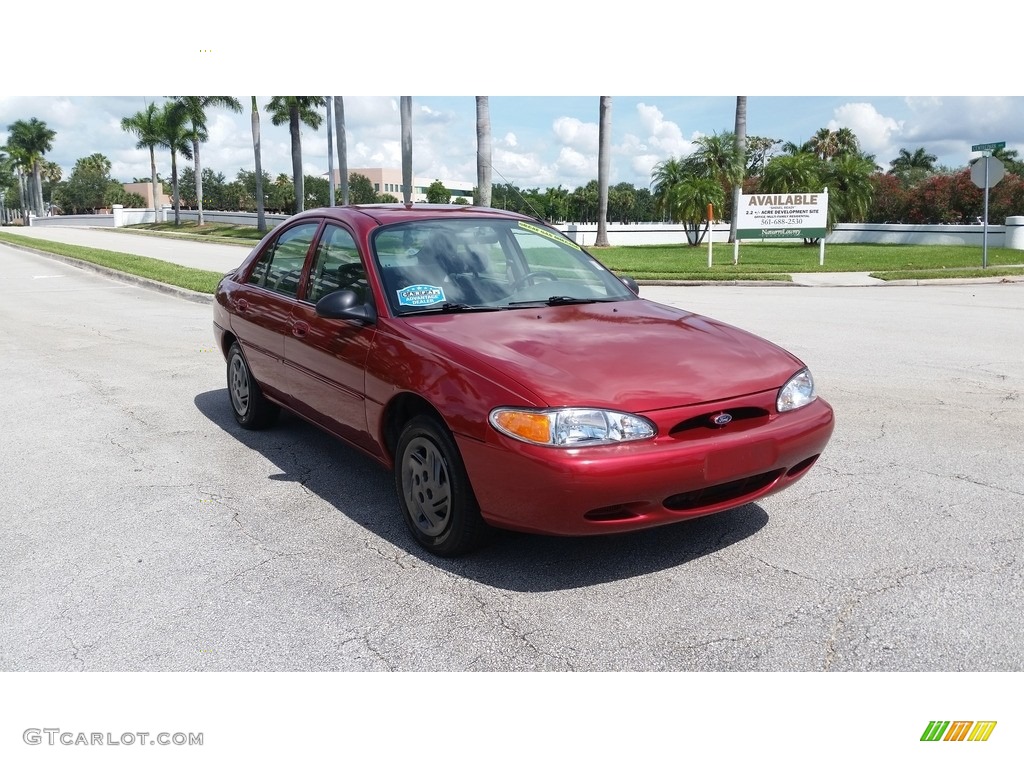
point(437, 501)
point(251, 409)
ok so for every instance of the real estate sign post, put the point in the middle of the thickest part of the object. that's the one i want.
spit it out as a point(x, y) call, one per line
point(783, 215)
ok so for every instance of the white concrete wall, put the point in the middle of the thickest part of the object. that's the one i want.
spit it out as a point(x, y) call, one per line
point(909, 234)
point(1009, 235)
point(917, 234)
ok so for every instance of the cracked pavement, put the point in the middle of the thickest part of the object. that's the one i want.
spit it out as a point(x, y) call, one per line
point(142, 530)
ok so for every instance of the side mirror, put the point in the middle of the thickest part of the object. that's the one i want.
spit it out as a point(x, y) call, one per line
point(630, 283)
point(345, 305)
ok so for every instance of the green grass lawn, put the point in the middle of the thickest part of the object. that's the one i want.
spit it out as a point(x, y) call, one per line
point(762, 260)
point(214, 233)
point(200, 280)
point(758, 261)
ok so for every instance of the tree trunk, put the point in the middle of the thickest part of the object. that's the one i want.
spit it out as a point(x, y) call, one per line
point(38, 179)
point(261, 216)
point(741, 149)
point(199, 181)
point(297, 181)
point(22, 195)
point(483, 151)
point(339, 126)
point(604, 161)
point(406, 114)
point(330, 154)
point(174, 189)
point(152, 177)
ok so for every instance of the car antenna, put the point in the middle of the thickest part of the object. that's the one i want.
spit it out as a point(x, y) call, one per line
point(526, 202)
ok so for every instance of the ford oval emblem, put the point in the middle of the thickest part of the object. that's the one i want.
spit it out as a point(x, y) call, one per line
point(721, 419)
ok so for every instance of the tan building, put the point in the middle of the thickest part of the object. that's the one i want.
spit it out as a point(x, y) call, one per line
point(144, 189)
point(388, 181)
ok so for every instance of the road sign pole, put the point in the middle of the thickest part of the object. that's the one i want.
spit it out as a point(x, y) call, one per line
point(986, 177)
point(984, 233)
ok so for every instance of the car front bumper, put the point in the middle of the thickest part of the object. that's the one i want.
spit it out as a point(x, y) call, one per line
point(680, 474)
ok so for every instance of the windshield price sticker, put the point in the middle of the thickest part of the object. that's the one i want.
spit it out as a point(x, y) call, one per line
point(420, 295)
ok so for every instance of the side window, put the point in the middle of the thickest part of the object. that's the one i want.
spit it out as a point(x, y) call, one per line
point(280, 267)
point(337, 266)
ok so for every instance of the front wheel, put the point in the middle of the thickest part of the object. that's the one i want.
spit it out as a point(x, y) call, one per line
point(251, 409)
point(437, 501)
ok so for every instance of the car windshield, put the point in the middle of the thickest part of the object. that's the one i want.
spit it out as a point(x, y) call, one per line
point(473, 264)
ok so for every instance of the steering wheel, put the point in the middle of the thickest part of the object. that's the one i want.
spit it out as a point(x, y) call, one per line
point(530, 277)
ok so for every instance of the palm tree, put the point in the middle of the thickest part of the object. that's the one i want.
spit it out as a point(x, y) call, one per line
point(194, 108)
point(717, 158)
point(175, 136)
point(848, 178)
point(405, 110)
point(688, 202)
point(34, 140)
point(17, 163)
point(339, 129)
point(51, 174)
point(604, 161)
point(261, 214)
point(824, 144)
point(741, 150)
point(921, 160)
point(146, 127)
point(846, 142)
point(296, 111)
point(666, 175)
point(483, 151)
point(791, 173)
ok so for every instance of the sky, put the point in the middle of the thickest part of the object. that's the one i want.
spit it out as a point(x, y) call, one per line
point(538, 141)
point(943, 92)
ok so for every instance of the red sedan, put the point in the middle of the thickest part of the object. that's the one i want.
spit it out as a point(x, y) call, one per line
point(506, 376)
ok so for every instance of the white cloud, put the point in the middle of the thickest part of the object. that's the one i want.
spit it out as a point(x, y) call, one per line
point(878, 134)
point(575, 134)
point(663, 135)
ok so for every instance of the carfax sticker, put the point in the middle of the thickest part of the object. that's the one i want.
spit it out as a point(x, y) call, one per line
point(420, 295)
point(558, 238)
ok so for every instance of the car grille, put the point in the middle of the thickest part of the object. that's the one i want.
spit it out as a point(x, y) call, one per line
point(725, 492)
point(703, 425)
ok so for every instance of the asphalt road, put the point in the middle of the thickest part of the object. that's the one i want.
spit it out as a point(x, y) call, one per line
point(142, 530)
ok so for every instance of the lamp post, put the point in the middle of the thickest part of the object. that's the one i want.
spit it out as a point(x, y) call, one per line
point(3, 209)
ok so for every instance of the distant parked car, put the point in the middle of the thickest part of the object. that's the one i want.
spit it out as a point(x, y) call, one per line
point(506, 376)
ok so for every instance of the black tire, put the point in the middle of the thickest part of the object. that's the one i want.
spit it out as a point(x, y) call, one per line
point(251, 409)
point(437, 500)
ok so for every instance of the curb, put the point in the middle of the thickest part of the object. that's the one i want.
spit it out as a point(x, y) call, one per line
point(124, 277)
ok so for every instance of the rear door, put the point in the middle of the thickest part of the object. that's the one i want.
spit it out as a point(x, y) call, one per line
point(264, 304)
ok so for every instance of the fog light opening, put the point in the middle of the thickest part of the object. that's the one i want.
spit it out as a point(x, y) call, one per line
point(803, 466)
point(607, 514)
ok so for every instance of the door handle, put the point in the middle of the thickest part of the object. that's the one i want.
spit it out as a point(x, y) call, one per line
point(300, 329)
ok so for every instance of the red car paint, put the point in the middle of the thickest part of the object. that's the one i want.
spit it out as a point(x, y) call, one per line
point(679, 370)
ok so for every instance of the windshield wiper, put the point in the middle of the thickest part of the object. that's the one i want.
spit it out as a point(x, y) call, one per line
point(552, 301)
point(450, 307)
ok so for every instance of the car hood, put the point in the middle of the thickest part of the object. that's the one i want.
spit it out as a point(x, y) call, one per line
point(632, 355)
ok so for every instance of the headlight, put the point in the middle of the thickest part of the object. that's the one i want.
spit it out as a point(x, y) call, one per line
point(570, 427)
point(798, 392)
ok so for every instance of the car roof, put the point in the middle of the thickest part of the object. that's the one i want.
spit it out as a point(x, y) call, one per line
point(393, 213)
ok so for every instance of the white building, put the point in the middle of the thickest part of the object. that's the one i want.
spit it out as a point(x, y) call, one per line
point(389, 181)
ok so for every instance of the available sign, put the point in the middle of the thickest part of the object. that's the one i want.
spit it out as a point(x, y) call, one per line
point(803, 214)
